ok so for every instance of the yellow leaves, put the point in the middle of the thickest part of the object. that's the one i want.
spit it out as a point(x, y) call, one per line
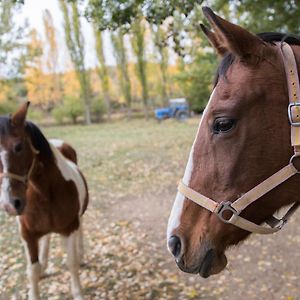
point(42, 88)
point(192, 294)
point(71, 84)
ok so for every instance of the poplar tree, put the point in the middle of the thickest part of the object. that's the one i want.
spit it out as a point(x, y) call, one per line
point(122, 65)
point(75, 44)
point(102, 69)
point(160, 42)
point(138, 30)
point(52, 57)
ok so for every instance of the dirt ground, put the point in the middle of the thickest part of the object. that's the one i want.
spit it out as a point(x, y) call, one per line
point(264, 267)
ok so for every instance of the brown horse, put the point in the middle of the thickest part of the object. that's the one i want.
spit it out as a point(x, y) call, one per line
point(44, 186)
point(244, 137)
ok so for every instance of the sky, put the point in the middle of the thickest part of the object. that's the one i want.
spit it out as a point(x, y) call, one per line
point(32, 10)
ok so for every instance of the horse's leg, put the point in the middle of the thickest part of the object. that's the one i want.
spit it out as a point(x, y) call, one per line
point(80, 246)
point(44, 253)
point(30, 244)
point(33, 268)
point(73, 264)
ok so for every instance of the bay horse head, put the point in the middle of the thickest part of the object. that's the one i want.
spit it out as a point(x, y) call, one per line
point(17, 160)
point(243, 139)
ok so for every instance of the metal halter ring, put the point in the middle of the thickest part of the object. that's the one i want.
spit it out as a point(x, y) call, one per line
point(225, 206)
point(292, 161)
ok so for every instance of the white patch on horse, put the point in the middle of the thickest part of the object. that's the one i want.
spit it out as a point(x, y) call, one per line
point(5, 185)
point(175, 216)
point(70, 171)
point(56, 142)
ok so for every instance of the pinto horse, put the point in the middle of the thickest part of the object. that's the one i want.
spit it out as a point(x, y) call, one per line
point(42, 184)
point(243, 164)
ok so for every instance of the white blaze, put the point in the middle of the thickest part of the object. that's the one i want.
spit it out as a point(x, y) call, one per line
point(70, 171)
point(174, 219)
point(5, 185)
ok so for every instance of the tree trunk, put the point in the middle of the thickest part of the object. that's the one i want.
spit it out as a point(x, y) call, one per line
point(102, 71)
point(75, 43)
point(138, 45)
point(121, 57)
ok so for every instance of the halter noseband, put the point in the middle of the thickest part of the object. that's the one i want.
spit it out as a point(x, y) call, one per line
point(24, 179)
point(236, 207)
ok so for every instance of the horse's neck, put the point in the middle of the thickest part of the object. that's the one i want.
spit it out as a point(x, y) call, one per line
point(41, 178)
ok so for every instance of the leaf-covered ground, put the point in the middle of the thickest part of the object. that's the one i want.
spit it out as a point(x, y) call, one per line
point(132, 169)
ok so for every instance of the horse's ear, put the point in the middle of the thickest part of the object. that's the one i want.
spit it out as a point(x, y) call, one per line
point(19, 117)
point(214, 40)
point(231, 37)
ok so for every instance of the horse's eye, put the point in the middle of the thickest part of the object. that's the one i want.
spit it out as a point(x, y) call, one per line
point(223, 125)
point(18, 148)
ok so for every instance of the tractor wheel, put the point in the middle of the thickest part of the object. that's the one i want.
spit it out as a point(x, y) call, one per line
point(182, 115)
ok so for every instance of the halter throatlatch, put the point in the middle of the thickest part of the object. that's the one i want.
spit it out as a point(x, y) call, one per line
point(236, 207)
point(24, 179)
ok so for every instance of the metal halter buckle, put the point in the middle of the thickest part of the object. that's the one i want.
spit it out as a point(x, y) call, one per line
point(225, 206)
point(291, 105)
point(292, 161)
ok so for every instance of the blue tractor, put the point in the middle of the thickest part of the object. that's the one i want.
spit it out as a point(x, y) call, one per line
point(178, 108)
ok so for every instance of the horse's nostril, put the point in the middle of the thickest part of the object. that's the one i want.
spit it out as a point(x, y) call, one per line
point(174, 245)
point(18, 204)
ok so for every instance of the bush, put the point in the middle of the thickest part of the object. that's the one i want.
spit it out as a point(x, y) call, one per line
point(73, 108)
point(70, 109)
point(58, 114)
point(35, 114)
point(97, 108)
point(8, 107)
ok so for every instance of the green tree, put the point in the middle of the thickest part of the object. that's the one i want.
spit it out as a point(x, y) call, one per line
point(12, 48)
point(197, 79)
point(160, 42)
point(122, 64)
point(75, 44)
point(138, 30)
point(13, 52)
point(52, 58)
point(263, 15)
point(102, 69)
point(112, 14)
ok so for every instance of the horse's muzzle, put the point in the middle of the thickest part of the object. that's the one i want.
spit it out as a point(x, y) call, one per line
point(14, 207)
point(208, 264)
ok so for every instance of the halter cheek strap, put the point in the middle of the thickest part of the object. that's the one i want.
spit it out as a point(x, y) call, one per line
point(273, 181)
point(24, 179)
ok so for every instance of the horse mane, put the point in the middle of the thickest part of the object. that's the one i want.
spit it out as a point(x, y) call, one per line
point(4, 125)
point(39, 141)
point(268, 37)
